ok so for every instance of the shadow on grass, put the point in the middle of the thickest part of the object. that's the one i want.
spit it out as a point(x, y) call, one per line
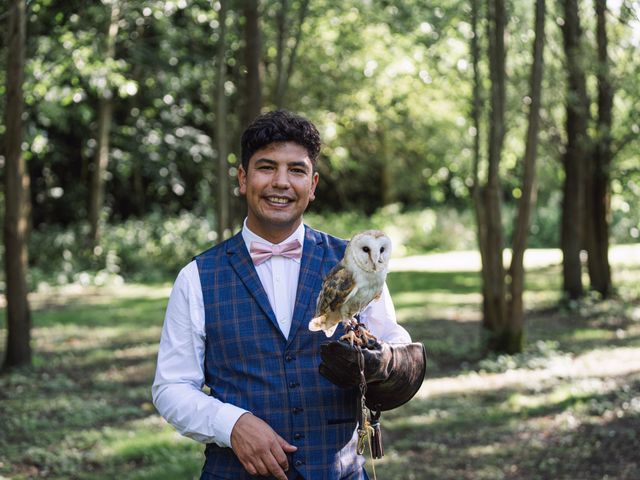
point(490, 435)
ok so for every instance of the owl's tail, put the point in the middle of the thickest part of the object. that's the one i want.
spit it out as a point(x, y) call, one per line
point(320, 323)
point(316, 324)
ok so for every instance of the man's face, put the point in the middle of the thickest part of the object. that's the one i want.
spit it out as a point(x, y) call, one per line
point(279, 183)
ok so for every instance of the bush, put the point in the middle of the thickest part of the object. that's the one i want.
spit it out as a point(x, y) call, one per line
point(149, 250)
point(412, 232)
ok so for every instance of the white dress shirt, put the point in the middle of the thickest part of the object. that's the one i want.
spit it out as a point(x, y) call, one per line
point(177, 388)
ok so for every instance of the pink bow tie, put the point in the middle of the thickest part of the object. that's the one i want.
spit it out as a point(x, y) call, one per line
point(261, 252)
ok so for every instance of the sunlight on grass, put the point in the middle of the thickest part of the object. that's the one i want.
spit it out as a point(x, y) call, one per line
point(568, 407)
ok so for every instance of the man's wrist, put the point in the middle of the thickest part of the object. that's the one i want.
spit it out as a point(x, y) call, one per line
point(224, 422)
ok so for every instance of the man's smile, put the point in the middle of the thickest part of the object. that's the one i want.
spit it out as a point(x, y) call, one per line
point(279, 200)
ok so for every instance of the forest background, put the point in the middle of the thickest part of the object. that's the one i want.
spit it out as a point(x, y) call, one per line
point(129, 142)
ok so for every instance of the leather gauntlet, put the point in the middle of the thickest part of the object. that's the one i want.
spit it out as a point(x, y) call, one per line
point(393, 372)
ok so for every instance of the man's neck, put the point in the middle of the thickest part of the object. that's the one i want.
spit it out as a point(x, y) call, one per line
point(273, 235)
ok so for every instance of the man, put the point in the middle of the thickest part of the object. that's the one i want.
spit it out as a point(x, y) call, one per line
point(238, 325)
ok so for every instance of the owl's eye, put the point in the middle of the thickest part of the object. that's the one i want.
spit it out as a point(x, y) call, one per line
point(381, 249)
point(365, 249)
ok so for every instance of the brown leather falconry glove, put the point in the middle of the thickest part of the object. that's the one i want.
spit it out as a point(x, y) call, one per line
point(394, 373)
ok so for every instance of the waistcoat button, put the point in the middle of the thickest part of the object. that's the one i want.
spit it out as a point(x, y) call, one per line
point(293, 384)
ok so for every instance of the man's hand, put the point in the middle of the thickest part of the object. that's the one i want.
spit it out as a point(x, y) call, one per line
point(259, 448)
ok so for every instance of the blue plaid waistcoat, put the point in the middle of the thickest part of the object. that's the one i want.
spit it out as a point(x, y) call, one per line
point(250, 364)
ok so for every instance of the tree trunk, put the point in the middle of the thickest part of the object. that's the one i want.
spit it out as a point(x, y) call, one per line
point(575, 158)
point(527, 201)
point(105, 115)
point(497, 333)
point(253, 49)
point(476, 108)
point(284, 74)
point(598, 232)
point(17, 204)
point(221, 126)
point(282, 27)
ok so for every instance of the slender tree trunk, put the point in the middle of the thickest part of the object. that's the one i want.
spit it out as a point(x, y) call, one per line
point(598, 233)
point(253, 49)
point(284, 74)
point(476, 109)
point(495, 322)
point(221, 126)
point(105, 115)
point(527, 201)
point(281, 21)
point(575, 158)
point(17, 203)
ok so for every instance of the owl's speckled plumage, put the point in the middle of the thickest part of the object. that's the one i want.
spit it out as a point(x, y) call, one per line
point(354, 282)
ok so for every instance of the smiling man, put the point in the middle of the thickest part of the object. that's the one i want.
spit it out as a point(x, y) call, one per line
point(236, 323)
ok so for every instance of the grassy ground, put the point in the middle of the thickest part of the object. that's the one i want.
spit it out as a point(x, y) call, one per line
point(567, 408)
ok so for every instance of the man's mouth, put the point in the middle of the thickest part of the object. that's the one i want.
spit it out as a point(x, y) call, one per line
point(279, 200)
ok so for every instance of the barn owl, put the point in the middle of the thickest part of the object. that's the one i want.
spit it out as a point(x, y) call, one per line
point(352, 284)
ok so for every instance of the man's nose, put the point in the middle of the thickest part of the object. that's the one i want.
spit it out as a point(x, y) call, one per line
point(281, 178)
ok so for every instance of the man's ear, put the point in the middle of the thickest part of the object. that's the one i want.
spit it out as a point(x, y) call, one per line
point(242, 180)
point(314, 184)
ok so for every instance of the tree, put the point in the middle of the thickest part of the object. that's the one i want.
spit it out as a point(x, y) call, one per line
point(503, 316)
point(105, 115)
point(597, 196)
point(495, 323)
point(221, 125)
point(253, 55)
point(284, 69)
point(575, 157)
point(527, 200)
point(16, 184)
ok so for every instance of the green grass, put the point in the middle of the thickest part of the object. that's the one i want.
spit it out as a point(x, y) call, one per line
point(566, 408)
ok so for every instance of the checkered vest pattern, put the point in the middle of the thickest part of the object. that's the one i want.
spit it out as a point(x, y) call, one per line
point(249, 363)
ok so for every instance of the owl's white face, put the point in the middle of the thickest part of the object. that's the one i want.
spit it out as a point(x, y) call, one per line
point(370, 251)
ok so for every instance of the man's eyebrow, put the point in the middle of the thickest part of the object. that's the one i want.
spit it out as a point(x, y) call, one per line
point(295, 163)
point(265, 160)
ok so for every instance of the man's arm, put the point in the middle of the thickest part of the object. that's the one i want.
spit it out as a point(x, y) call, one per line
point(177, 388)
point(379, 318)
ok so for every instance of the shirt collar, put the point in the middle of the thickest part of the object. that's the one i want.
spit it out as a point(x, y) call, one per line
point(248, 236)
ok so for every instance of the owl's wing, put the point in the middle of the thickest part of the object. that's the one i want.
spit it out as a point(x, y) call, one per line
point(336, 289)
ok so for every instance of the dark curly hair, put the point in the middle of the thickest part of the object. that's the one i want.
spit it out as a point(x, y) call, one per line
point(280, 126)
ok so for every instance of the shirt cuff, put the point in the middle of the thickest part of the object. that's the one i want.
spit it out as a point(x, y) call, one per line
point(224, 422)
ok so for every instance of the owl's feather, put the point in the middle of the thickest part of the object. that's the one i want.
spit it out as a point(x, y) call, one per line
point(354, 282)
point(337, 288)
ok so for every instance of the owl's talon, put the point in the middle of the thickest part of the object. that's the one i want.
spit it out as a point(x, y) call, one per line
point(351, 337)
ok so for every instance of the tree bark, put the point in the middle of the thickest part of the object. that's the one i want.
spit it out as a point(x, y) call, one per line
point(17, 203)
point(527, 200)
point(282, 27)
point(598, 231)
point(575, 157)
point(283, 74)
point(221, 126)
point(105, 115)
point(253, 50)
point(497, 335)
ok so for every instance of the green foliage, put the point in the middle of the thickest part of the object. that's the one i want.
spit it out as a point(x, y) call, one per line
point(153, 249)
point(412, 232)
